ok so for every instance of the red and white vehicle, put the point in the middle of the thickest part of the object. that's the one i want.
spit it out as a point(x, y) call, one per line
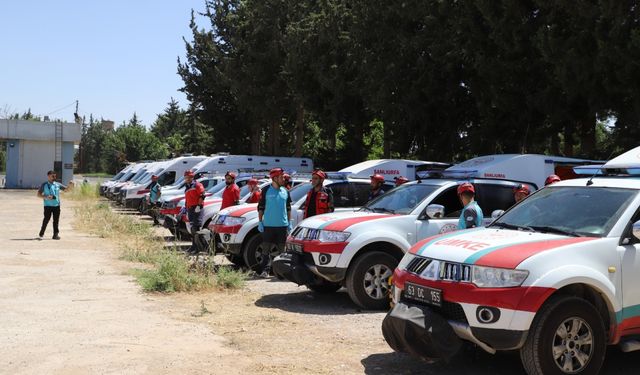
point(237, 227)
point(555, 277)
point(360, 250)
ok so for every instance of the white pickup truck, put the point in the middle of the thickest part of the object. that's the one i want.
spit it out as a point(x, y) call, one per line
point(555, 277)
point(360, 250)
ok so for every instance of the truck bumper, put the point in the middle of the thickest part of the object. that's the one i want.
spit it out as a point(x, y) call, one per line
point(300, 269)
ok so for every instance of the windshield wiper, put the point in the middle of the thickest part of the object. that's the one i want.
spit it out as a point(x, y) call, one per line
point(365, 208)
point(382, 209)
point(513, 226)
point(556, 230)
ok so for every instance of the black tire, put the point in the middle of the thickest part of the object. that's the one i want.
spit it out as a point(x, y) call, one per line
point(252, 254)
point(368, 280)
point(236, 259)
point(537, 354)
point(324, 287)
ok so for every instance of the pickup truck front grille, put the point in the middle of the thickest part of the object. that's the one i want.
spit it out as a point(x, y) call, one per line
point(439, 269)
point(305, 234)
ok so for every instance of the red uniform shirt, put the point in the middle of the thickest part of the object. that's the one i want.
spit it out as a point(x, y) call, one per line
point(193, 193)
point(230, 196)
point(255, 197)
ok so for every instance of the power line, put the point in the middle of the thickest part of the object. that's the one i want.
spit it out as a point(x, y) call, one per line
point(60, 109)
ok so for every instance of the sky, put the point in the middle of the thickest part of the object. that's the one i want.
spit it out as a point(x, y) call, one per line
point(115, 57)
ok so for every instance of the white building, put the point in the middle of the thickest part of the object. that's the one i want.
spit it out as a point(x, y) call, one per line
point(33, 148)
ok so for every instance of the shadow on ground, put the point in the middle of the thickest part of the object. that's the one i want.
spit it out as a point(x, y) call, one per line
point(474, 361)
point(308, 302)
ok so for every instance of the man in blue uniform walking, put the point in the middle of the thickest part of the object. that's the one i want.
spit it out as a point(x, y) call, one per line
point(50, 193)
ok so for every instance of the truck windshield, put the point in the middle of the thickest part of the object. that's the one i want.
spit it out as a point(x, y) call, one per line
point(572, 211)
point(401, 200)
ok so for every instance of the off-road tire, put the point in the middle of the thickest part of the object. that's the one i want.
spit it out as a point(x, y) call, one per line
point(355, 282)
point(250, 254)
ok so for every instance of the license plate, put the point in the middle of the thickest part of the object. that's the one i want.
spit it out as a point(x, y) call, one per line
point(294, 247)
point(423, 294)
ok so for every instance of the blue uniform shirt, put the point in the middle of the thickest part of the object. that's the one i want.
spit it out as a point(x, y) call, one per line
point(471, 216)
point(51, 188)
point(153, 192)
point(275, 203)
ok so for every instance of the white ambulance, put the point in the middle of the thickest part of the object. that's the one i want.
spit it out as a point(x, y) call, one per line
point(392, 168)
point(359, 250)
point(556, 278)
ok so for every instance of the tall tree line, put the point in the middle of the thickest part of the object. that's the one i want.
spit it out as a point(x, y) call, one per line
point(342, 80)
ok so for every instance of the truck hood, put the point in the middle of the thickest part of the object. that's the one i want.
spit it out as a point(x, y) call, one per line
point(489, 247)
point(340, 221)
point(241, 210)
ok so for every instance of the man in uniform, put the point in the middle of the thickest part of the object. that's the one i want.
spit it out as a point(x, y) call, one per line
point(401, 180)
point(154, 195)
point(254, 190)
point(319, 199)
point(471, 215)
point(231, 193)
point(274, 218)
point(377, 181)
point(552, 179)
point(521, 192)
point(194, 202)
point(49, 191)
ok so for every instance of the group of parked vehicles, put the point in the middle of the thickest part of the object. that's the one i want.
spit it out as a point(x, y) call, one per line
point(553, 276)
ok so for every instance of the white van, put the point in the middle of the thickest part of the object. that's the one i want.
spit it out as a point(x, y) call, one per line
point(392, 168)
point(222, 162)
point(136, 171)
point(167, 173)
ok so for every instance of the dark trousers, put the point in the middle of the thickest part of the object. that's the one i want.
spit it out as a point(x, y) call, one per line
point(198, 243)
point(48, 211)
point(273, 242)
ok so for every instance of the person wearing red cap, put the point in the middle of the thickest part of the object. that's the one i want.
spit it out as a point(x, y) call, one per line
point(552, 179)
point(274, 219)
point(401, 180)
point(154, 195)
point(319, 198)
point(376, 186)
point(194, 202)
point(521, 192)
point(471, 215)
point(231, 193)
point(254, 190)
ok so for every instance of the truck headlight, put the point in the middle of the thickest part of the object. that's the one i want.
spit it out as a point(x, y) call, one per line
point(489, 277)
point(333, 236)
point(406, 259)
point(232, 221)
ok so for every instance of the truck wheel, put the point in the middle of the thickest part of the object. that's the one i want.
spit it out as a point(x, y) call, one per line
point(324, 287)
point(368, 280)
point(567, 336)
point(235, 259)
point(252, 254)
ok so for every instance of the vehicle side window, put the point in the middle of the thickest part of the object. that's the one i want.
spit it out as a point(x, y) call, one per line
point(492, 197)
point(206, 183)
point(360, 193)
point(449, 199)
point(342, 195)
point(168, 178)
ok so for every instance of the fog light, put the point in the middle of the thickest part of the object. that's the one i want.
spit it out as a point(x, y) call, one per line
point(227, 237)
point(324, 259)
point(487, 314)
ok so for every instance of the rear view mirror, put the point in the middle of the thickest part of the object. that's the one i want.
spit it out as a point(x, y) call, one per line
point(635, 230)
point(435, 211)
point(496, 214)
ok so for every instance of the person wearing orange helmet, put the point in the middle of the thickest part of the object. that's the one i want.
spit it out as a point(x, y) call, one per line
point(400, 180)
point(471, 215)
point(254, 190)
point(194, 203)
point(319, 198)
point(521, 192)
point(377, 180)
point(231, 193)
point(552, 179)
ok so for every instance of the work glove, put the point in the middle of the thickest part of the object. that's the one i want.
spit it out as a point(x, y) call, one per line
point(260, 227)
point(290, 227)
point(197, 209)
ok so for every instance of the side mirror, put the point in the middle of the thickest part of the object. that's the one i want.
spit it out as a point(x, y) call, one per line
point(635, 230)
point(435, 211)
point(496, 214)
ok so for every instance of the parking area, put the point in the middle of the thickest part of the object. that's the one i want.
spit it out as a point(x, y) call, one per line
point(70, 306)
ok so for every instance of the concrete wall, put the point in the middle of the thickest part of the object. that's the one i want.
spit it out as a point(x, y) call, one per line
point(38, 131)
point(29, 161)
